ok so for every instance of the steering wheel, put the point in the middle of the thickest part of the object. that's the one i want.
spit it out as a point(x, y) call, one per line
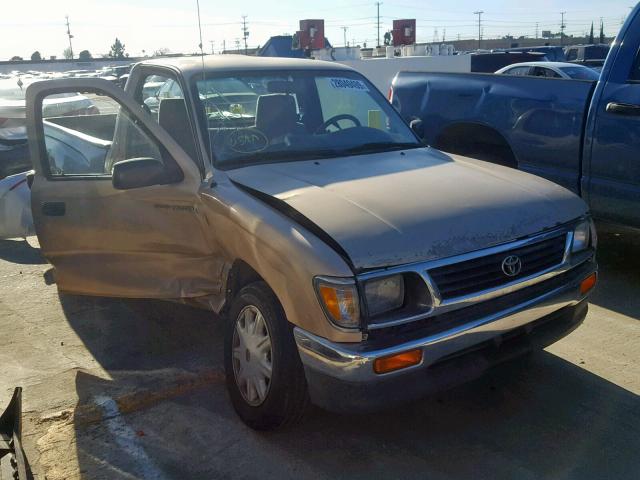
point(334, 121)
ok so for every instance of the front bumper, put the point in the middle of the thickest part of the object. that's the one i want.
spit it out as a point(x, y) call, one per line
point(341, 376)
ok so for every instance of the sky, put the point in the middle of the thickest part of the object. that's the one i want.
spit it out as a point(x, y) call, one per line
point(145, 26)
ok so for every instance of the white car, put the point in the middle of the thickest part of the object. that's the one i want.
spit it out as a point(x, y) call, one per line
point(15, 206)
point(550, 70)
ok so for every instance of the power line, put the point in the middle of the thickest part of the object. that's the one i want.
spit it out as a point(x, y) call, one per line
point(479, 13)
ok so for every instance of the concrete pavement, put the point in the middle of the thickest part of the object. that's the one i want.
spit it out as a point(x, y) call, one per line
point(134, 389)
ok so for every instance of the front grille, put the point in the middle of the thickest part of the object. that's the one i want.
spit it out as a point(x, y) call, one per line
point(483, 273)
point(445, 321)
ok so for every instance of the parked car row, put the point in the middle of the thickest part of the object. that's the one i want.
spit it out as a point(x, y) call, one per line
point(592, 55)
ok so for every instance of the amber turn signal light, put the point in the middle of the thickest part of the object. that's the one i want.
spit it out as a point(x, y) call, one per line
point(588, 283)
point(397, 361)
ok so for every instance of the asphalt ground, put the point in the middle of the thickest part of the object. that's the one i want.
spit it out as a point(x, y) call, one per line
point(121, 389)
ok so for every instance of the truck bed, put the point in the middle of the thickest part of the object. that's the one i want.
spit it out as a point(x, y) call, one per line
point(534, 124)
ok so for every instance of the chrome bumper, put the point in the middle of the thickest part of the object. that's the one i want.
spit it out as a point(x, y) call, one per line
point(353, 363)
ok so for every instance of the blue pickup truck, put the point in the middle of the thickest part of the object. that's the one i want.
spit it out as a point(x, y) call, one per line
point(583, 135)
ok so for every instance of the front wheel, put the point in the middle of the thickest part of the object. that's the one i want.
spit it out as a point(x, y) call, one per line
point(264, 374)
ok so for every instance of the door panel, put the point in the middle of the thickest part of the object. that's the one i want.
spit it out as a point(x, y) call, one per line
point(145, 242)
point(612, 176)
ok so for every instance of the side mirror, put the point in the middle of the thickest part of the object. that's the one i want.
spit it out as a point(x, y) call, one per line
point(418, 127)
point(138, 172)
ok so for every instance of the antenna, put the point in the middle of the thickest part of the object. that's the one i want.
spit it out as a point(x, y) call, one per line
point(70, 36)
point(200, 32)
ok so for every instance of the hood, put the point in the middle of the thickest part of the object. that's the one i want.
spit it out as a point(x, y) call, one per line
point(393, 208)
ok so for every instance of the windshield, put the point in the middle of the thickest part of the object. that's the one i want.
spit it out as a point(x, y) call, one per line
point(596, 52)
point(287, 116)
point(581, 73)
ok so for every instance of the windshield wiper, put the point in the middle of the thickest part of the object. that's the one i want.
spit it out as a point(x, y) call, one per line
point(382, 147)
point(281, 156)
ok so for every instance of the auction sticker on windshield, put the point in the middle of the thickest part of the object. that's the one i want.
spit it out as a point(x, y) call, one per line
point(348, 84)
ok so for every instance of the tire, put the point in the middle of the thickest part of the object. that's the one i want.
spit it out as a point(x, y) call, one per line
point(284, 398)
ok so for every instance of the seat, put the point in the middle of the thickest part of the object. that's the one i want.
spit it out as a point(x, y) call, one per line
point(173, 117)
point(276, 115)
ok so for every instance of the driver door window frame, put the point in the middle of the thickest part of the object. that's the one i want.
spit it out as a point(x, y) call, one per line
point(44, 166)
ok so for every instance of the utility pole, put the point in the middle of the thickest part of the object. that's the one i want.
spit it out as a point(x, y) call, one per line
point(537, 27)
point(344, 32)
point(444, 35)
point(562, 27)
point(245, 32)
point(70, 36)
point(479, 13)
point(378, 6)
point(224, 46)
point(212, 49)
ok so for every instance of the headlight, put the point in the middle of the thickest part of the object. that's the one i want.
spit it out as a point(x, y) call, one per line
point(339, 299)
point(581, 236)
point(384, 294)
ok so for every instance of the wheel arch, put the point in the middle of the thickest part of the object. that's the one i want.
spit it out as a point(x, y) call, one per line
point(476, 140)
point(240, 275)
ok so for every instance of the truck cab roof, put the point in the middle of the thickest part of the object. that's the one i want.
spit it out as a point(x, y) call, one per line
point(189, 66)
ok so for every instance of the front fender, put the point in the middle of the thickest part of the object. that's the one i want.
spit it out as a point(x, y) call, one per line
point(286, 255)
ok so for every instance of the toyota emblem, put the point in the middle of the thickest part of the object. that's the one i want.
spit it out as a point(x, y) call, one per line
point(511, 265)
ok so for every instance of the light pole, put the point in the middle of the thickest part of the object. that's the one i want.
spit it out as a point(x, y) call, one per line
point(479, 13)
point(378, 6)
point(70, 37)
point(562, 27)
point(245, 32)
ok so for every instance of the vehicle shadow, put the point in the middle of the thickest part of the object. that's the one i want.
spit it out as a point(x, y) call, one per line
point(539, 418)
point(546, 419)
point(619, 271)
point(20, 251)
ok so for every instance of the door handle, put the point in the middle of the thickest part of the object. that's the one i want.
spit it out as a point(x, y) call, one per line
point(54, 209)
point(624, 109)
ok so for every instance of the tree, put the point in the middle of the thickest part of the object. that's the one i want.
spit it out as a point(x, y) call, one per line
point(591, 34)
point(85, 55)
point(161, 52)
point(36, 57)
point(117, 49)
point(601, 32)
point(68, 53)
point(16, 58)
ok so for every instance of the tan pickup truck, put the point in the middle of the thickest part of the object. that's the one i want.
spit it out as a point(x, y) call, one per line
point(354, 267)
